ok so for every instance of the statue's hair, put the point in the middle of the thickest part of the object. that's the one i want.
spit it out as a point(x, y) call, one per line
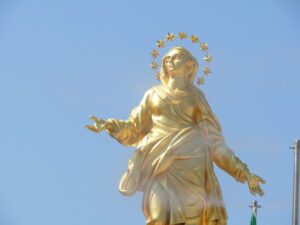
point(189, 77)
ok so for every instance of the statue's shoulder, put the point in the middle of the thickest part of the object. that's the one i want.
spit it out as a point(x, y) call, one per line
point(149, 93)
point(151, 90)
point(156, 89)
point(197, 92)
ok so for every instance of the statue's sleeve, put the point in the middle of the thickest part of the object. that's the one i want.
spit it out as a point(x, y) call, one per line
point(221, 154)
point(226, 159)
point(129, 132)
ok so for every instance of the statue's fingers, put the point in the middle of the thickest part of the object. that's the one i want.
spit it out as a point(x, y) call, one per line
point(96, 119)
point(252, 191)
point(258, 178)
point(93, 118)
point(256, 190)
point(92, 128)
point(260, 191)
point(261, 180)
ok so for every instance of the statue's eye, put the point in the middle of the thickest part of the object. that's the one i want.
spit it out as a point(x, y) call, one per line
point(177, 56)
point(167, 59)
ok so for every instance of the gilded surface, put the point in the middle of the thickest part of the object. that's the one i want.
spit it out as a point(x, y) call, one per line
point(178, 140)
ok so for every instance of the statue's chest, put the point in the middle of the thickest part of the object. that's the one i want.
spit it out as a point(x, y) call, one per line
point(166, 106)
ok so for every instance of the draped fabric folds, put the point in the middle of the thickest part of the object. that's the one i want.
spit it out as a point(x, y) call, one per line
point(178, 138)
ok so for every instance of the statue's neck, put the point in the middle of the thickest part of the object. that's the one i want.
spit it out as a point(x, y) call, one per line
point(177, 83)
point(177, 87)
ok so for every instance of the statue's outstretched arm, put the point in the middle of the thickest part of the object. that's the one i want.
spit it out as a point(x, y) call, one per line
point(127, 132)
point(222, 155)
point(226, 160)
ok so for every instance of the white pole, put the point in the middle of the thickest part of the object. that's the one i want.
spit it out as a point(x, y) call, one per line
point(296, 148)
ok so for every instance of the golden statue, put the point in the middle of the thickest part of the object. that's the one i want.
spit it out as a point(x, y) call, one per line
point(178, 139)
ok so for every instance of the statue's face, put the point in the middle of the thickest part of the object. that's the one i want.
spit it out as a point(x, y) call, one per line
point(175, 62)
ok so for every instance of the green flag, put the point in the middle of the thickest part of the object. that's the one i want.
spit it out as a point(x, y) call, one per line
point(253, 219)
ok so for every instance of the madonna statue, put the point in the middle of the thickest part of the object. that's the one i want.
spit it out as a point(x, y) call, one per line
point(178, 140)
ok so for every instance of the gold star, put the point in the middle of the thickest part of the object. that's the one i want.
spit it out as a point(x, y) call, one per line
point(200, 81)
point(194, 38)
point(203, 46)
point(160, 43)
point(182, 35)
point(154, 53)
point(170, 37)
point(157, 76)
point(154, 65)
point(207, 58)
point(206, 70)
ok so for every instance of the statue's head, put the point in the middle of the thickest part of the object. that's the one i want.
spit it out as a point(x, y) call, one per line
point(178, 60)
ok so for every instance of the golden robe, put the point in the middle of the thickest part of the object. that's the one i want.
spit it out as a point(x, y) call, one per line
point(178, 140)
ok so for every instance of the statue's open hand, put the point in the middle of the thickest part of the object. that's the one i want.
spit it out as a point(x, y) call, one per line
point(98, 126)
point(254, 186)
point(110, 125)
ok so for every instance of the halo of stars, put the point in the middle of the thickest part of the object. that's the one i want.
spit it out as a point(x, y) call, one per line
point(182, 35)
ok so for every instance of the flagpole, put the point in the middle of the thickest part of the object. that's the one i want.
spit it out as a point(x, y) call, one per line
point(296, 148)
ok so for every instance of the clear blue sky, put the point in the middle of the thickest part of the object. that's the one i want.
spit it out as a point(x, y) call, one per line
point(61, 61)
